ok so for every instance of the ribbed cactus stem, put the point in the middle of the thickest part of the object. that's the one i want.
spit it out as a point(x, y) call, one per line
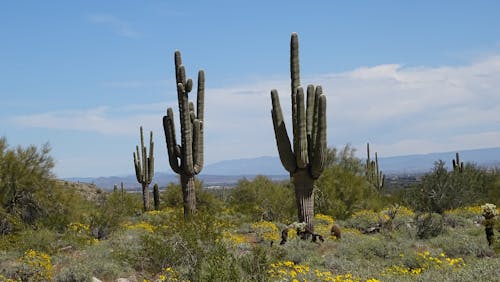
point(186, 159)
point(156, 197)
point(144, 167)
point(307, 159)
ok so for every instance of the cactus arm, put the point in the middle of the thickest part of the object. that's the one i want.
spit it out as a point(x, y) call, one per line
point(200, 96)
point(295, 83)
point(294, 62)
point(283, 142)
point(186, 131)
point(301, 152)
point(317, 93)
point(320, 147)
point(137, 168)
point(172, 148)
point(310, 109)
point(200, 109)
point(151, 160)
point(197, 143)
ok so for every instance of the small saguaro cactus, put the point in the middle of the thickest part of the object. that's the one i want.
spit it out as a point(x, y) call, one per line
point(156, 197)
point(373, 173)
point(458, 166)
point(144, 167)
point(306, 160)
point(186, 159)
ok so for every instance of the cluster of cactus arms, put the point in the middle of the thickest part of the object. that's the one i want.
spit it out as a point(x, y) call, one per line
point(186, 159)
point(458, 166)
point(307, 159)
point(373, 174)
point(144, 167)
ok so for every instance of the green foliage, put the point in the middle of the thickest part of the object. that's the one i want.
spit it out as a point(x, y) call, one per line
point(23, 173)
point(111, 212)
point(205, 200)
point(429, 225)
point(342, 189)
point(263, 199)
point(443, 190)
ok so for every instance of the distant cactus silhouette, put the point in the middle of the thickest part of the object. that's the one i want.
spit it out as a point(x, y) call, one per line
point(458, 166)
point(306, 160)
point(186, 159)
point(144, 167)
point(373, 173)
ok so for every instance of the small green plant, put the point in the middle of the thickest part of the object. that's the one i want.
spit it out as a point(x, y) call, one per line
point(35, 266)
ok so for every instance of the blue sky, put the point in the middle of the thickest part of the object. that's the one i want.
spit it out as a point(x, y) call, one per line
point(407, 76)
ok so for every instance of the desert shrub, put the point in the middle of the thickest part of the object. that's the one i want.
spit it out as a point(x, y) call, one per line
point(442, 190)
point(9, 223)
point(34, 266)
point(205, 200)
point(23, 173)
point(342, 189)
point(460, 243)
point(263, 199)
point(75, 272)
point(429, 225)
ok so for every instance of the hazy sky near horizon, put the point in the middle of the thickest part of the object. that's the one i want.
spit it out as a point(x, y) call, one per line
point(407, 76)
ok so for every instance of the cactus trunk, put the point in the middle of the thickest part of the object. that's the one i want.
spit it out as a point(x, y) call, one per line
point(145, 196)
point(156, 197)
point(304, 196)
point(188, 195)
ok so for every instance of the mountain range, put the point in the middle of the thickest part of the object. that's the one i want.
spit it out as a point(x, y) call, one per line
point(229, 172)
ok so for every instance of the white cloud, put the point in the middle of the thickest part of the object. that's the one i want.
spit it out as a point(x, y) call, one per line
point(117, 25)
point(400, 110)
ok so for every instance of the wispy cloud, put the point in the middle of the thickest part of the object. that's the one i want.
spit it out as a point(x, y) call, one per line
point(116, 25)
point(399, 110)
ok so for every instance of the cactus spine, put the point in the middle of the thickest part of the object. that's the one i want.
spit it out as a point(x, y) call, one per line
point(373, 173)
point(306, 160)
point(186, 159)
point(156, 197)
point(458, 166)
point(144, 167)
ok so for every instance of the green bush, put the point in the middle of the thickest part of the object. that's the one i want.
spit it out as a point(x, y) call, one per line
point(429, 225)
point(205, 201)
point(263, 199)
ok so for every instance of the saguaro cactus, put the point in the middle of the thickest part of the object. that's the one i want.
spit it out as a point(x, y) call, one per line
point(373, 173)
point(306, 161)
point(144, 167)
point(186, 159)
point(458, 166)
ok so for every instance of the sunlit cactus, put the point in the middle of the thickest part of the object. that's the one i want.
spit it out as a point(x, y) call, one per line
point(144, 167)
point(306, 160)
point(186, 159)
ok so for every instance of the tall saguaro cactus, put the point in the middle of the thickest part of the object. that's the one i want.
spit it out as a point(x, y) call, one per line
point(144, 167)
point(306, 160)
point(458, 166)
point(373, 173)
point(186, 159)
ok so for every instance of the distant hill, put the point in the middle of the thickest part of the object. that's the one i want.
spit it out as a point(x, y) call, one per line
point(489, 157)
point(230, 171)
